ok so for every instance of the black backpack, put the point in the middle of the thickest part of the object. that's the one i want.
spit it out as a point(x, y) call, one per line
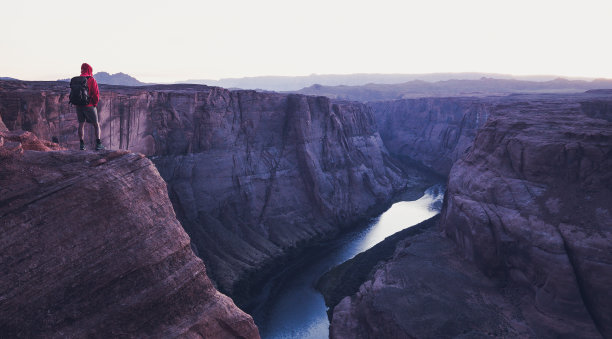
point(79, 91)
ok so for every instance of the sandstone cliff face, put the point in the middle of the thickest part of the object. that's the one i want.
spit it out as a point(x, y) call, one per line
point(42, 108)
point(598, 109)
point(90, 247)
point(432, 131)
point(427, 291)
point(251, 175)
point(528, 246)
point(532, 202)
point(2, 126)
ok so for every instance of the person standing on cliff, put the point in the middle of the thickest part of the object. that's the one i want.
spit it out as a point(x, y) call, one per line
point(86, 103)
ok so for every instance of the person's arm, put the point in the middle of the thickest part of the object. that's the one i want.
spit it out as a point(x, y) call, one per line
point(94, 93)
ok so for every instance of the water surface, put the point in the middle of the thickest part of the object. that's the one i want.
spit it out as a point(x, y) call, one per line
point(294, 309)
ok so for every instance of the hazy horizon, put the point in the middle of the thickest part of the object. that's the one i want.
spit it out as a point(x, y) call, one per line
point(537, 77)
point(156, 41)
point(401, 77)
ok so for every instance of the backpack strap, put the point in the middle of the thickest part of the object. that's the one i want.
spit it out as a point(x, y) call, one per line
point(87, 83)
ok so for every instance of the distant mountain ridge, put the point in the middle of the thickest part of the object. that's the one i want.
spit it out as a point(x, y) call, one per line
point(453, 88)
point(119, 79)
point(295, 83)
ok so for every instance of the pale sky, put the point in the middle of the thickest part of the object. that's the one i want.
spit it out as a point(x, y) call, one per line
point(175, 40)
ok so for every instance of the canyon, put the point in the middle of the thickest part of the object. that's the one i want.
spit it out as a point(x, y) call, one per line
point(253, 177)
point(523, 245)
point(90, 247)
point(432, 132)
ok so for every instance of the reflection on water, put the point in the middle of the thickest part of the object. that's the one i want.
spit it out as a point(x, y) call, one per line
point(400, 216)
point(296, 309)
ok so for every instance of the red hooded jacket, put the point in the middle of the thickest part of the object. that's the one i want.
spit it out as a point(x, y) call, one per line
point(94, 93)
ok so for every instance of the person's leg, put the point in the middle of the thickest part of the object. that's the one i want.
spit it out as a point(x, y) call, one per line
point(81, 118)
point(97, 129)
point(92, 114)
point(99, 146)
point(81, 133)
point(81, 130)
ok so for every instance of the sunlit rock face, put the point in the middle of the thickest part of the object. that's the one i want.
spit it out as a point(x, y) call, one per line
point(90, 247)
point(251, 175)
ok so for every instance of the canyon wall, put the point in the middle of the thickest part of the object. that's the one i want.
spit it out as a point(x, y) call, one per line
point(432, 131)
point(252, 176)
point(598, 108)
point(528, 235)
point(532, 203)
point(90, 247)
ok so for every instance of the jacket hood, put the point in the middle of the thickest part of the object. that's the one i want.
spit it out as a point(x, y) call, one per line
point(86, 70)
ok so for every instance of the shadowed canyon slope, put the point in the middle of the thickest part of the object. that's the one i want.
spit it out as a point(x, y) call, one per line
point(432, 131)
point(528, 235)
point(251, 175)
point(532, 203)
point(90, 247)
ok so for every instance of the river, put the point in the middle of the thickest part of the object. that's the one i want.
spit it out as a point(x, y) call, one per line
point(292, 308)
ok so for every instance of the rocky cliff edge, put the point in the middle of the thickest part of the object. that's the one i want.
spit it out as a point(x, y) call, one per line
point(253, 177)
point(90, 247)
point(532, 203)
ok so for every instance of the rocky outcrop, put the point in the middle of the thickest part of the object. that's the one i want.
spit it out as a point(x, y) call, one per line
point(598, 109)
point(345, 279)
point(527, 251)
point(252, 176)
point(90, 247)
point(2, 126)
point(532, 202)
point(432, 131)
point(427, 291)
point(13, 143)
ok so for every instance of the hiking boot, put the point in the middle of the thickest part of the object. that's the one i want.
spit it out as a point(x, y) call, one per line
point(100, 147)
point(82, 146)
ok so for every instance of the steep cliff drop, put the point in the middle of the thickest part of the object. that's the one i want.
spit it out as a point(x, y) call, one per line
point(532, 203)
point(528, 244)
point(252, 176)
point(90, 247)
point(434, 132)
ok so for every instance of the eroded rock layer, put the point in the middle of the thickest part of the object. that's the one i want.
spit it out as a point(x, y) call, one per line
point(251, 175)
point(427, 291)
point(532, 203)
point(528, 245)
point(432, 131)
point(90, 247)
